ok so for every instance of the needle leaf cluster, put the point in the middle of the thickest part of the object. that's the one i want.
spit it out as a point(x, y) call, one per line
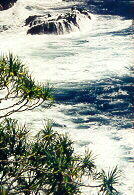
point(18, 87)
point(45, 164)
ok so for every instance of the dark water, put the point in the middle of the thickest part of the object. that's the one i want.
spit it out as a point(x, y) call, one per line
point(108, 101)
point(112, 7)
point(111, 97)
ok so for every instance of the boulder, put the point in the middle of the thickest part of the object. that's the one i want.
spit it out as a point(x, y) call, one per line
point(1, 7)
point(47, 24)
point(6, 4)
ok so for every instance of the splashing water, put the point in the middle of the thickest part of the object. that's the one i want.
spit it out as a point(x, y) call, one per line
point(91, 70)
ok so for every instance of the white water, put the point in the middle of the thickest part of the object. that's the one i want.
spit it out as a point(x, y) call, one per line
point(73, 63)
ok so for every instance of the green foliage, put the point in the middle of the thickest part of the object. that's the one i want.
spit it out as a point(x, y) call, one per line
point(17, 85)
point(12, 149)
point(108, 180)
point(88, 163)
point(47, 163)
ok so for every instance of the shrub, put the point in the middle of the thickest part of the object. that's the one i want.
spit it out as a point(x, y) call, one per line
point(17, 85)
point(47, 163)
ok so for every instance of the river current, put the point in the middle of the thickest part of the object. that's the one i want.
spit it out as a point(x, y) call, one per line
point(91, 72)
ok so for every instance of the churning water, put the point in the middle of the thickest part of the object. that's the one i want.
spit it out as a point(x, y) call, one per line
point(91, 71)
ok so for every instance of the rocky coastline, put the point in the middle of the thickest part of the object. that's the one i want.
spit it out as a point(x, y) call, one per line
point(47, 24)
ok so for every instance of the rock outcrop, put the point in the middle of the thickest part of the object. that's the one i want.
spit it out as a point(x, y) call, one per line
point(47, 24)
point(6, 4)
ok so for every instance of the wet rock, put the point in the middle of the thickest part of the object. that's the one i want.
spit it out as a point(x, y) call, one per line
point(3, 28)
point(34, 18)
point(47, 24)
point(1, 7)
point(6, 4)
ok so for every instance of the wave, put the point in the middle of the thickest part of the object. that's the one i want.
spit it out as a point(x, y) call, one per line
point(24, 10)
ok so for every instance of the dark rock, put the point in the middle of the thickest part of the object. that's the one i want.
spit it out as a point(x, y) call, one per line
point(50, 27)
point(3, 28)
point(77, 8)
point(6, 4)
point(71, 18)
point(86, 13)
point(46, 24)
point(30, 19)
point(34, 18)
point(1, 7)
point(35, 30)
